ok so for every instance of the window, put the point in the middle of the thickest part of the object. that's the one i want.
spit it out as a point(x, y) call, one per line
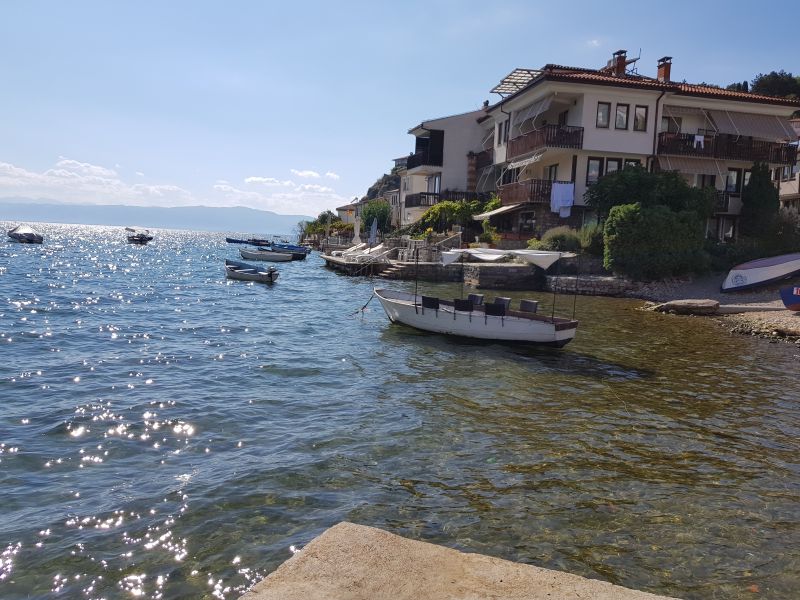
point(434, 183)
point(640, 118)
point(621, 120)
point(562, 118)
point(613, 165)
point(603, 114)
point(632, 162)
point(733, 182)
point(671, 124)
point(594, 170)
point(552, 172)
point(706, 181)
point(406, 183)
point(499, 136)
point(746, 178)
point(527, 221)
point(505, 135)
point(509, 176)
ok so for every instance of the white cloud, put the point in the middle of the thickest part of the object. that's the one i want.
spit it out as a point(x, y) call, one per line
point(270, 181)
point(593, 43)
point(140, 174)
point(72, 181)
point(306, 174)
point(332, 175)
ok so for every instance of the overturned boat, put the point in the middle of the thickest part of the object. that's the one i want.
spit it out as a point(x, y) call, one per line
point(472, 318)
point(761, 272)
point(25, 235)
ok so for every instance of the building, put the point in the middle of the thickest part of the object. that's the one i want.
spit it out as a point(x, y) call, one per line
point(788, 179)
point(438, 168)
point(558, 129)
point(347, 213)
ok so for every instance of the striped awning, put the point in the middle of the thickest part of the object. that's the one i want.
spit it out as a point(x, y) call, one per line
point(681, 111)
point(496, 211)
point(691, 166)
point(518, 164)
point(765, 127)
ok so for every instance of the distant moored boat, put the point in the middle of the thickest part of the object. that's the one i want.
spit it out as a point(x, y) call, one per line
point(25, 235)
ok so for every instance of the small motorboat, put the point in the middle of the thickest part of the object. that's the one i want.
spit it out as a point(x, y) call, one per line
point(265, 254)
point(472, 318)
point(25, 235)
point(251, 241)
point(761, 272)
point(245, 272)
point(293, 248)
point(791, 297)
point(137, 236)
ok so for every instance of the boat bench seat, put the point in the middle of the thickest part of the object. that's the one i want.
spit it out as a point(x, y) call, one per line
point(495, 309)
point(475, 299)
point(462, 305)
point(430, 302)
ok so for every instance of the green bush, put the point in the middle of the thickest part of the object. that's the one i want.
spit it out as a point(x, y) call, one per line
point(654, 242)
point(560, 239)
point(591, 238)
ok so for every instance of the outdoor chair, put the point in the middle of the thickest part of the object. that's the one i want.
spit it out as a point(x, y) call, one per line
point(506, 302)
point(529, 305)
point(475, 299)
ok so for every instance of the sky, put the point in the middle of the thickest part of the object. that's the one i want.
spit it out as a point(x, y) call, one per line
point(298, 106)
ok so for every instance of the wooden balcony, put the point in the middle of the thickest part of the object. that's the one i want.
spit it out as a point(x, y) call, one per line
point(726, 147)
point(484, 159)
point(427, 199)
point(424, 159)
point(549, 136)
point(536, 191)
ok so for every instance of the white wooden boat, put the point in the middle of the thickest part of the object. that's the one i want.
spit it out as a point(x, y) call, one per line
point(494, 321)
point(267, 255)
point(480, 321)
point(245, 272)
point(25, 235)
point(761, 272)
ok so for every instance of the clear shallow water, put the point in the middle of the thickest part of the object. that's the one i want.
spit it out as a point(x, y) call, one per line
point(165, 433)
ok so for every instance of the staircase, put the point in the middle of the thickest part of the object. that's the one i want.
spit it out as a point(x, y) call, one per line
point(398, 271)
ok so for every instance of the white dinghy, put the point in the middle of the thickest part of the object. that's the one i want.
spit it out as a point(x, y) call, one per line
point(761, 272)
point(474, 319)
point(266, 255)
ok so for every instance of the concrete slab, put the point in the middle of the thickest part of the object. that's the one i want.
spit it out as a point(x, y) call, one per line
point(354, 562)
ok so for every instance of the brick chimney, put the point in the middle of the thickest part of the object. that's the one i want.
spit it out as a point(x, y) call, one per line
point(664, 67)
point(619, 62)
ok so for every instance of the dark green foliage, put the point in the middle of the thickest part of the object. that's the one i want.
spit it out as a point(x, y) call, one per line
point(591, 237)
point(445, 214)
point(653, 242)
point(760, 203)
point(739, 87)
point(636, 185)
point(326, 221)
point(376, 209)
point(776, 83)
point(561, 239)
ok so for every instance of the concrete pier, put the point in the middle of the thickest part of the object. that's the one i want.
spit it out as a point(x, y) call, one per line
point(354, 562)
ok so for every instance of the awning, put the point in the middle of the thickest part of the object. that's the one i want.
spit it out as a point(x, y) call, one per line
point(763, 127)
point(519, 164)
point(691, 166)
point(533, 111)
point(682, 111)
point(540, 258)
point(496, 211)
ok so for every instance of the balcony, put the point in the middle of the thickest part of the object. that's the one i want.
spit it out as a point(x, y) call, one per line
point(536, 191)
point(426, 199)
point(484, 159)
point(424, 159)
point(726, 147)
point(723, 203)
point(549, 136)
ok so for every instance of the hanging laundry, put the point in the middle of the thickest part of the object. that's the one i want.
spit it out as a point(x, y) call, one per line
point(561, 198)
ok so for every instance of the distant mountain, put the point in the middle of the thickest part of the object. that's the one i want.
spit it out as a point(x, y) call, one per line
point(198, 218)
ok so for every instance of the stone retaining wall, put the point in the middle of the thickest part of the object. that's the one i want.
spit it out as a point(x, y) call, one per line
point(591, 285)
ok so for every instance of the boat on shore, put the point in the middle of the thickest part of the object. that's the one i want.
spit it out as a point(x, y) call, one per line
point(471, 318)
point(791, 297)
point(25, 235)
point(246, 272)
point(761, 272)
point(265, 254)
point(138, 236)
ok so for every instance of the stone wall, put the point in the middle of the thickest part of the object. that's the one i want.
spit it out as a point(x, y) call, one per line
point(591, 285)
point(508, 276)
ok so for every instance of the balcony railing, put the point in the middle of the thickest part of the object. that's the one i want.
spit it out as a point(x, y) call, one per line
point(727, 147)
point(423, 159)
point(549, 136)
point(536, 191)
point(723, 203)
point(431, 198)
point(484, 159)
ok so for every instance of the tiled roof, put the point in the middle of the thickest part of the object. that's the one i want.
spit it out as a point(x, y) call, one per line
point(722, 93)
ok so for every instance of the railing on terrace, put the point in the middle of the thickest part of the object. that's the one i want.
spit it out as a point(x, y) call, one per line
point(726, 146)
point(723, 203)
point(484, 159)
point(549, 136)
point(423, 159)
point(532, 190)
point(431, 198)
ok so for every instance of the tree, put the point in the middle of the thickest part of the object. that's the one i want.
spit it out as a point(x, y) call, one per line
point(776, 83)
point(760, 203)
point(376, 209)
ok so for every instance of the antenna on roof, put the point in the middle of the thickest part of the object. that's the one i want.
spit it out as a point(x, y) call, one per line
point(632, 61)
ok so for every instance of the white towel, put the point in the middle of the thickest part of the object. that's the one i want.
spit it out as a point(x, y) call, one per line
point(561, 198)
point(699, 141)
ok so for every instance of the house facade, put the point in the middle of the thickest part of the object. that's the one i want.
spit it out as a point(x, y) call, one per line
point(438, 168)
point(788, 178)
point(558, 130)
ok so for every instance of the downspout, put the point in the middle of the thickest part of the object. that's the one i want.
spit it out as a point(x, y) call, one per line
point(655, 132)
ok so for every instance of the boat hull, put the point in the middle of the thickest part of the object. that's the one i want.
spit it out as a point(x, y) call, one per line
point(791, 297)
point(266, 255)
point(23, 234)
point(761, 272)
point(245, 272)
point(400, 308)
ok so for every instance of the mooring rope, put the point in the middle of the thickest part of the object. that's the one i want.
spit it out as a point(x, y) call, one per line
point(363, 308)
